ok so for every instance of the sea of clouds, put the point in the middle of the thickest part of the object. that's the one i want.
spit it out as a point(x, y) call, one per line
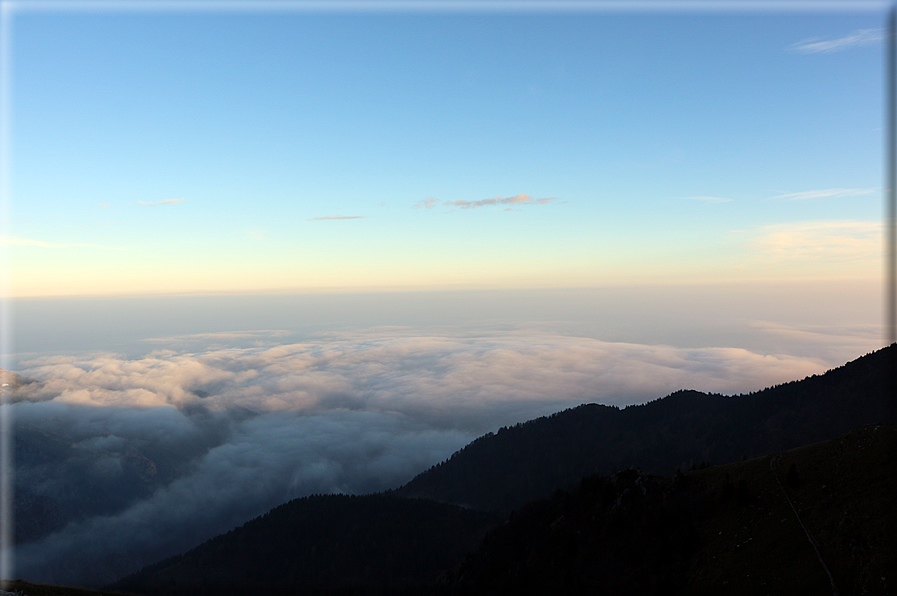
point(252, 418)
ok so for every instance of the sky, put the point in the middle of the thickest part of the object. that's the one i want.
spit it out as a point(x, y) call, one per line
point(209, 152)
point(320, 250)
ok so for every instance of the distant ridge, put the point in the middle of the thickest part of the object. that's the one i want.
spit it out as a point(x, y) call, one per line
point(504, 470)
point(10, 381)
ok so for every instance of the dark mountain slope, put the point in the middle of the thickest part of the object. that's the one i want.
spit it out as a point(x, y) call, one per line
point(18, 587)
point(502, 471)
point(325, 544)
point(723, 530)
point(664, 540)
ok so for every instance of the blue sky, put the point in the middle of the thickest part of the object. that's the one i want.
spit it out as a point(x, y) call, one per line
point(201, 152)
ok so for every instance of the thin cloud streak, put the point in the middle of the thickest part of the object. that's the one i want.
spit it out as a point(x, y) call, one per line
point(337, 217)
point(521, 199)
point(18, 241)
point(825, 193)
point(860, 37)
point(427, 203)
point(220, 336)
point(165, 202)
point(705, 199)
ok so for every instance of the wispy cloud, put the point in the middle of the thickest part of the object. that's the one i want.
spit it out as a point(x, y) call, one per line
point(255, 233)
point(427, 203)
point(826, 46)
point(845, 333)
point(103, 205)
point(521, 199)
point(104, 223)
point(165, 202)
point(709, 199)
point(17, 241)
point(825, 193)
point(826, 241)
point(329, 217)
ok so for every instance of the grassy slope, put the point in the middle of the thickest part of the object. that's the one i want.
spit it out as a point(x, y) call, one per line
point(502, 471)
point(50, 590)
point(844, 497)
point(722, 530)
point(334, 544)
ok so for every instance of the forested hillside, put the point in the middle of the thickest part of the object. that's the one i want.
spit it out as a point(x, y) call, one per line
point(501, 471)
point(722, 530)
point(621, 531)
point(324, 544)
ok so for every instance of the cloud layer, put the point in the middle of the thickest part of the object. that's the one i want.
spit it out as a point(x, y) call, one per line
point(427, 377)
point(248, 467)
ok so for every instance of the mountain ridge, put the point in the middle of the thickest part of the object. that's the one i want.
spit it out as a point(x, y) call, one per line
point(815, 519)
point(787, 413)
point(721, 529)
point(680, 430)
